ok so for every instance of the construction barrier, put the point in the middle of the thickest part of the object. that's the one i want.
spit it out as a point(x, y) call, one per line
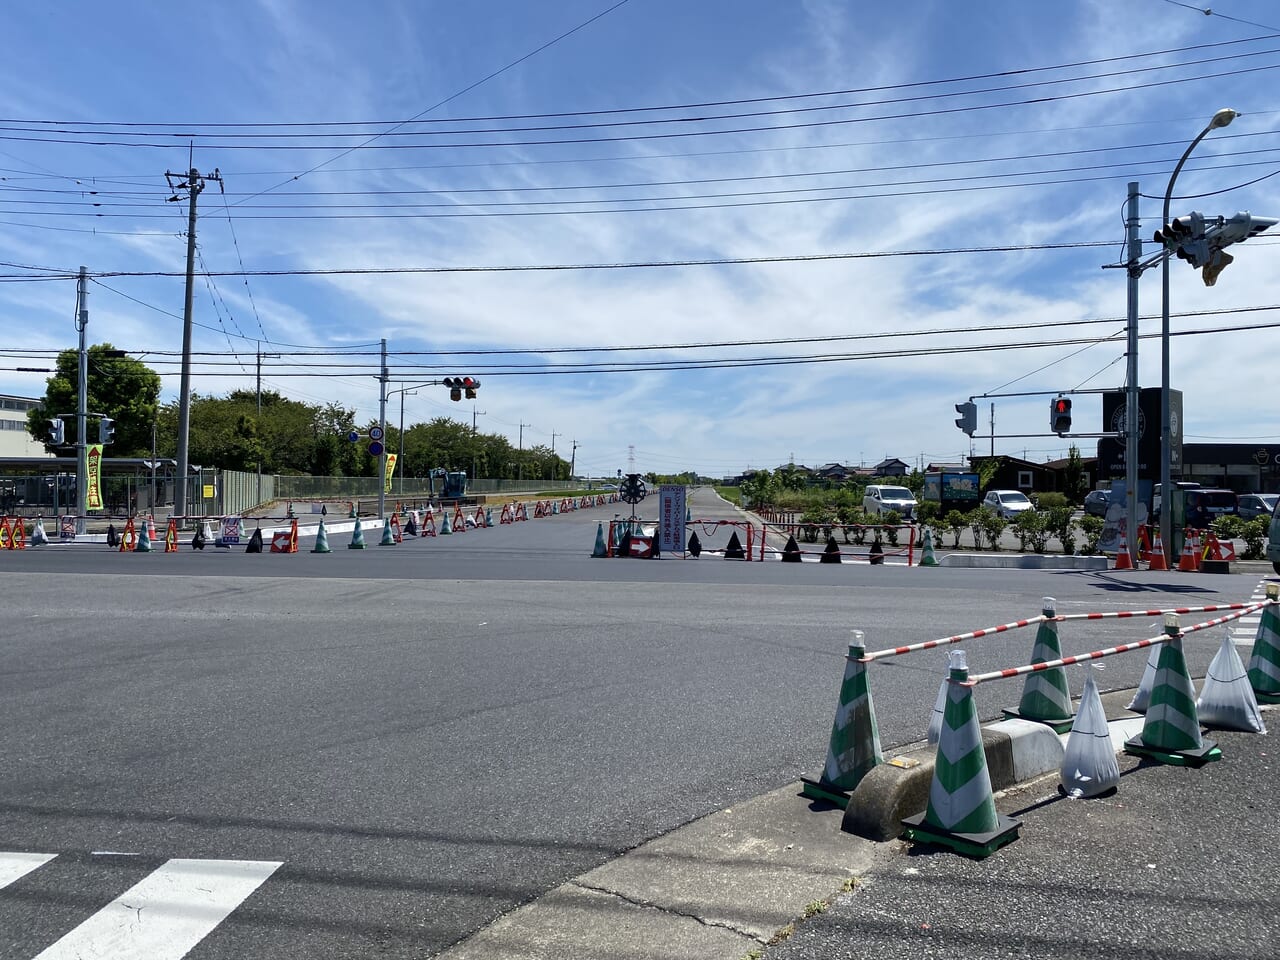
point(855, 535)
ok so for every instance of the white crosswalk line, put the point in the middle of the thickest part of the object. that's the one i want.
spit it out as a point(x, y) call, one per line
point(15, 866)
point(165, 914)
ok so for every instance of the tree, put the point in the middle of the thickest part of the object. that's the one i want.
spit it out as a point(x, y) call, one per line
point(119, 387)
point(1073, 476)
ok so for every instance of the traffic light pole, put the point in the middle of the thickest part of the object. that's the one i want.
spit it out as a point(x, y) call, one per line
point(1132, 225)
point(382, 422)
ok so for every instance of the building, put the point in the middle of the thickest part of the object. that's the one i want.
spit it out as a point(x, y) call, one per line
point(15, 441)
point(1242, 467)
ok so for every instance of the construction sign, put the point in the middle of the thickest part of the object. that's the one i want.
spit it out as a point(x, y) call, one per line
point(93, 483)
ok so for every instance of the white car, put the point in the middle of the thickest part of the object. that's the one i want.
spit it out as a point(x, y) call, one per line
point(880, 499)
point(1007, 503)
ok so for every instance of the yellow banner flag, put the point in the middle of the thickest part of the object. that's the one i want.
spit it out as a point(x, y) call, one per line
point(391, 468)
point(93, 483)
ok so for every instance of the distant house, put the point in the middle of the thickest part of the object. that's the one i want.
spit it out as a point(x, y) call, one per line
point(833, 472)
point(891, 467)
point(1014, 473)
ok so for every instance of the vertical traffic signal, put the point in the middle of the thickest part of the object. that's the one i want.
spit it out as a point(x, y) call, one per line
point(57, 430)
point(1060, 415)
point(106, 430)
point(968, 419)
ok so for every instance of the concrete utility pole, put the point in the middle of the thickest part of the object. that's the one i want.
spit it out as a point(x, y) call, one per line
point(193, 182)
point(1132, 225)
point(553, 454)
point(82, 402)
point(573, 459)
point(520, 462)
point(474, 414)
point(259, 392)
point(382, 425)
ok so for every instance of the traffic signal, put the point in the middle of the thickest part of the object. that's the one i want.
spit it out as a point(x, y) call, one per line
point(470, 385)
point(968, 420)
point(455, 387)
point(106, 430)
point(1185, 238)
point(55, 427)
point(1223, 233)
point(1060, 415)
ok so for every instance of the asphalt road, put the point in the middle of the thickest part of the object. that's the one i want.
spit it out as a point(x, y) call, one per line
point(386, 749)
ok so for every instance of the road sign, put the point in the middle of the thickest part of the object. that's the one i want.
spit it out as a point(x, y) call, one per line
point(353, 436)
point(375, 433)
point(375, 447)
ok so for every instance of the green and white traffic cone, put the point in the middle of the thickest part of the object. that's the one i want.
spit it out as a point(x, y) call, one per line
point(322, 540)
point(962, 812)
point(855, 737)
point(488, 516)
point(1046, 697)
point(357, 537)
point(927, 559)
point(388, 538)
point(1264, 664)
point(143, 543)
point(601, 549)
point(446, 528)
point(1171, 731)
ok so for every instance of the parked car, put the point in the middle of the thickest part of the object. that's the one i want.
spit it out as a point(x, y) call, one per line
point(1203, 505)
point(1007, 503)
point(881, 498)
point(1254, 505)
point(1096, 503)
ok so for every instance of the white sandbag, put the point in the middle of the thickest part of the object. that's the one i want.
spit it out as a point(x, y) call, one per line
point(1142, 699)
point(1227, 700)
point(1089, 765)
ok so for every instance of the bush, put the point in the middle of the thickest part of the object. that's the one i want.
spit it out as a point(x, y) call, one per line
point(890, 521)
point(955, 521)
point(928, 512)
point(1031, 526)
point(1254, 535)
point(1228, 527)
point(1060, 522)
point(992, 525)
point(1091, 527)
point(1049, 500)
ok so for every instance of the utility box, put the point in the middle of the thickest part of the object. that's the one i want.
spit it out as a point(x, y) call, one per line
point(951, 491)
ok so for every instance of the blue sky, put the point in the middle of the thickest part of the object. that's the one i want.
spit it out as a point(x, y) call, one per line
point(937, 128)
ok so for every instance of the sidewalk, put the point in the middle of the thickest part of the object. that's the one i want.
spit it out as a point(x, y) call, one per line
point(1175, 864)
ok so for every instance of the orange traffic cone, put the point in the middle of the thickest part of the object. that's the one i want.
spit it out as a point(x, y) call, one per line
point(1123, 560)
point(1158, 561)
point(1189, 562)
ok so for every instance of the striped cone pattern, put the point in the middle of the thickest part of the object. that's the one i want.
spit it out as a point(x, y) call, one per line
point(322, 540)
point(855, 737)
point(357, 537)
point(960, 799)
point(601, 549)
point(388, 538)
point(1264, 664)
point(1171, 722)
point(1045, 695)
point(446, 527)
point(927, 559)
point(143, 544)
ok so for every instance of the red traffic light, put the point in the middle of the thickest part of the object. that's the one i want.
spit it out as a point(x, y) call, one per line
point(1060, 415)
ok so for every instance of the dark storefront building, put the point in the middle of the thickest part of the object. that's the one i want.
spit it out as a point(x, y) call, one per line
point(1242, 467)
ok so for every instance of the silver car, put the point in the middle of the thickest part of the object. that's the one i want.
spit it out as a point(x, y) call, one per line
point(1007, 503)
point(1253, 505)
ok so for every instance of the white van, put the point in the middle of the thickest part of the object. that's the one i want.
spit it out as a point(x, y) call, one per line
point(880, 499)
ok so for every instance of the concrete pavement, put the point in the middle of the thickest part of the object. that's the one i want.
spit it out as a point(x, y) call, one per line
point(1174, 864)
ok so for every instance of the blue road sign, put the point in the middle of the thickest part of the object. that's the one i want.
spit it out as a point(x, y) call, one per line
point(375, 448)
point(353, 436)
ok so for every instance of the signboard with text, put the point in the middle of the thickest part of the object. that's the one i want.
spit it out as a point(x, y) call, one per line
point(671, 512)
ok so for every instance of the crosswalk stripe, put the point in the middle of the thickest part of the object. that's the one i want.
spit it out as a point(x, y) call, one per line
point(15, 866)
point(166, 913)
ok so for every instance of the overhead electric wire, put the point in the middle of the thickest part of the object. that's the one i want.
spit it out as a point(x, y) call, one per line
point(397, 131)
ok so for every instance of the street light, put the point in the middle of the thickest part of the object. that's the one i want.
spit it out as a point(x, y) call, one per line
point(1220, 119)
point(412, 389)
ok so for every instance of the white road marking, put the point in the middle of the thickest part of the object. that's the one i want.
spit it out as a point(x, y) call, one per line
point(166, 913)
point(15, 866)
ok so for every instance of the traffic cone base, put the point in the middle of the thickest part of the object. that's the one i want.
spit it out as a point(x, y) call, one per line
point(978, 845)
point(824, 792)
point(1207, 753)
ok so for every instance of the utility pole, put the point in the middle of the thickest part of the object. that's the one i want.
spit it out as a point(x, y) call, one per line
point(382, 424)
point(474, 414)
point(194, 184)
point(520, 462)
point(1134, 270)
point(553, 453)
point(573, 459)
point(259, 391)
point(993, 429)
point(82, 403)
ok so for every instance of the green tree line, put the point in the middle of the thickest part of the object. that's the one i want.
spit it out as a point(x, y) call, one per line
point(284, 436)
